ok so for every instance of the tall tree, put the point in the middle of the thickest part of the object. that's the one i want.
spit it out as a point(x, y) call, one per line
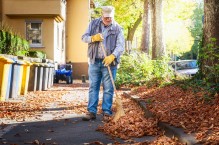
point(158, 48)
point(211, 21)
point(210, 53)
point(145, 39)
point(132, 28)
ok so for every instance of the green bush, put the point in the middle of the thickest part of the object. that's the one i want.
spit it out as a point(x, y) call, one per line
point(208, 62)
point(138, 69)
point(11, 43)
point(37, 54)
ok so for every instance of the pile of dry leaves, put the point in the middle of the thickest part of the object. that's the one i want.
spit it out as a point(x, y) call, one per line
point(135, 124)
point(184, 108)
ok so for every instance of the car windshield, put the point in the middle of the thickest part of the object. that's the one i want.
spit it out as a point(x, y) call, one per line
point(186, 65)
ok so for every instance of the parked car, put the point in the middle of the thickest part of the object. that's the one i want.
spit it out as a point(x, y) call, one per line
point(185, 67)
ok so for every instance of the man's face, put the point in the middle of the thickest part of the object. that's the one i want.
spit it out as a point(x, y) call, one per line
point(107, 20)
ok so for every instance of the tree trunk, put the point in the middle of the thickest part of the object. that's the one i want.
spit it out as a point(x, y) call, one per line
point(145, 41)
point(158, 49)
point(211, 21)
point(209, 54)
point(132, 28)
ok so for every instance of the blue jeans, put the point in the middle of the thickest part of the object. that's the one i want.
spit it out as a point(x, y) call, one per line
point(97, 73)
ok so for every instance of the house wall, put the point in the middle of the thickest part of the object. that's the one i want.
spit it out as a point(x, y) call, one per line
point(77, 23)
point(51, 15)
point(0, 12)
point(51, 8)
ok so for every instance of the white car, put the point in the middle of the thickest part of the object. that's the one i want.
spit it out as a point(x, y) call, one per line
point(185, 67)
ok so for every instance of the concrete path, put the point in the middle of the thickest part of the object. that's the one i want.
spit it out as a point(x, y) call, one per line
point(55, 127)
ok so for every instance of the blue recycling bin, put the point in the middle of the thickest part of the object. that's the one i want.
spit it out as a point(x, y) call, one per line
point(16, 78)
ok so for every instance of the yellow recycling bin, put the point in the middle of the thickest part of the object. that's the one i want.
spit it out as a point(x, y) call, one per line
point(5, 77)
point(25, 77)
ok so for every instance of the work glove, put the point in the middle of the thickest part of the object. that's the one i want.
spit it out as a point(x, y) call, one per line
point(97, 37)
point(108, 60)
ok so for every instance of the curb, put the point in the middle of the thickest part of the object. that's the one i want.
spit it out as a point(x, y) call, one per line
point(170, 131)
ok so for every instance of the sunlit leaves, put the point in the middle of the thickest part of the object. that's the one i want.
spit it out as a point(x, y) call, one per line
point(179, 39)
point(185, 108)
point(177, 17)
point(126, 11)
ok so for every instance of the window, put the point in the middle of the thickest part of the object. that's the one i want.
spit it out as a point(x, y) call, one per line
point(34, 33)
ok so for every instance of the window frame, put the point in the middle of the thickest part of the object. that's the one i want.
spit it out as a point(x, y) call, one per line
point(34, 45)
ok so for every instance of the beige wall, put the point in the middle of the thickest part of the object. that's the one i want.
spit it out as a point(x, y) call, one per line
point(34, 7)
point(0, 11)
point(51, 13)
point(17, 21)
point(77, 22)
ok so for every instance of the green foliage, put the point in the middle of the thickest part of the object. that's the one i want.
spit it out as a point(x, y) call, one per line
point(22, 53)
point(36, 54)
point(137, 69)
point(178, 10)
point(177, 18)
point(196, 30)
point(208, 58)
point(182, 17)
point(11, 43)
point(124, 17)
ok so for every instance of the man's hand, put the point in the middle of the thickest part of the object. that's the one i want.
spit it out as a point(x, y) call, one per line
point(97, 37)
point(108, 60)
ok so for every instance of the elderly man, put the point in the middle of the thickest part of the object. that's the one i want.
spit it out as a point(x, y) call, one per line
point(107, 31)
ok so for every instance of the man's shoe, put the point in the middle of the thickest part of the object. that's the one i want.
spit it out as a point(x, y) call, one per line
point(106, 117)
point(89, 116)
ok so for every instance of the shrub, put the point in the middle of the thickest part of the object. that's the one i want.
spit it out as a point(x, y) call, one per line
point(11, 43)
point(138, 69)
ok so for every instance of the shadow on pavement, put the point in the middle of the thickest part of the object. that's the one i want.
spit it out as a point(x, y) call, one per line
point(70, 131)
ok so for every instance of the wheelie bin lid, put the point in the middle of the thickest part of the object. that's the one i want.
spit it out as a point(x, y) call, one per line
point(36, 60)
point(6, 60)
point(21, 62)
point(51, 64)
point(27, 63)
point(45, 64)
point(27, 60)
